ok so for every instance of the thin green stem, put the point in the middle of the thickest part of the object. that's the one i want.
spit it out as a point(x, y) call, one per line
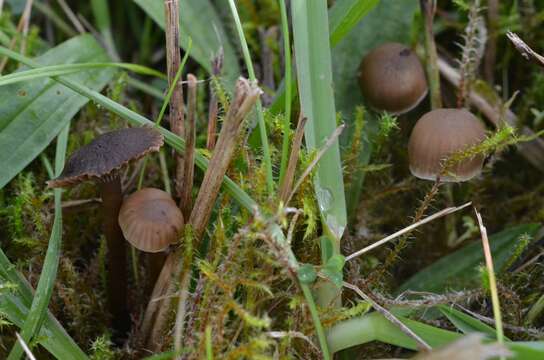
point(317, 322)
point(260, 116)
point(287, 82)
point(209, 348)
point(427, 9)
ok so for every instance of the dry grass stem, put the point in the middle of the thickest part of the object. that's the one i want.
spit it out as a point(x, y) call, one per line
point(525, 50)
point(246, 95)
point(173, 62)
point(408, 229)
point(71, 16)
point(492, 281)
point(189, 156)
point(182, 309)
point(213, 108)
point(389, 316)
point(285, 188)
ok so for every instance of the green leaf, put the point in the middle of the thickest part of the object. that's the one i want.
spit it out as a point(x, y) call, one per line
point(374, 326)
point(16, 305)
point(466, 323)
point(199, 21)
point(459, 269)
point(336, 277)
point(38, 310)
point(306, 274)
point(314, 72)
point(527, 350)
point(344, 15)
point(336, 262)
point(33, 113)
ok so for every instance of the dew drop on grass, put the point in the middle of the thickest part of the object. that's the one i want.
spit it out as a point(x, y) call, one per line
point(324, 198)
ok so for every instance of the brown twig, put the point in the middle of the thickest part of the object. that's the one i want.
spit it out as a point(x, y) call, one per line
point(525, 50)
point(173, 61)
point(428, 8)
point(533, 150)
point(190, 135)
point(285, 188)
point(213, 109)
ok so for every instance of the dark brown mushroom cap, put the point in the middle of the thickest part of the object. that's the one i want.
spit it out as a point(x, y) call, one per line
point(150, 220)
point(392, 78)
point(439, 134)
point(106, 154)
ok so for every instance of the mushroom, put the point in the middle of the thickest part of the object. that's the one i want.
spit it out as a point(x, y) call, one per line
point(392, 78)
point(439, 134)
point(150, 220)
point(100, 161)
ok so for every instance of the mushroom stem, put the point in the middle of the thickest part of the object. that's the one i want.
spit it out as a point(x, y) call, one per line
point(112, 198)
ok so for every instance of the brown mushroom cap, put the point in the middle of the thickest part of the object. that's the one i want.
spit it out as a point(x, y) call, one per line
point(439, 134)
point(392, 78)
point(150, 220)
point(106, 154)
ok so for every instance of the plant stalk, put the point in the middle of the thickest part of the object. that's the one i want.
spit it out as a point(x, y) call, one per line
point(287, 81)
point(428, 8)
point(173, 60)
point(112, 198)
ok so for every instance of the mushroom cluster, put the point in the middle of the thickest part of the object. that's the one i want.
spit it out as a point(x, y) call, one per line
point(392, 79)
point(101, 161)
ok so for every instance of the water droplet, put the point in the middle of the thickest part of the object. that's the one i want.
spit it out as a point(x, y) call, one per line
point(324, 199)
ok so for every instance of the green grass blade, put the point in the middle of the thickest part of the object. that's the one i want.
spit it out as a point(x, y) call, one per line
point(260, 117)
point(459, 269)
point(138, 120)
point(200, 21)
point(466, 323)
point(33, 113)
point(66, 69)
point(38, 310)
point(288, 93)
point(313, 58)
point(345, 14)
point(101, 14)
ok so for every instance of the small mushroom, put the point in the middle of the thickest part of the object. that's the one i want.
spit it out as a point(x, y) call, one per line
point(392, 79)
point(150, 220)
point(439, 134)
point(100, 161)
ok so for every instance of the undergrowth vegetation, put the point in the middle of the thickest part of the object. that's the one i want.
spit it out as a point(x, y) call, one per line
point(316, 174)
